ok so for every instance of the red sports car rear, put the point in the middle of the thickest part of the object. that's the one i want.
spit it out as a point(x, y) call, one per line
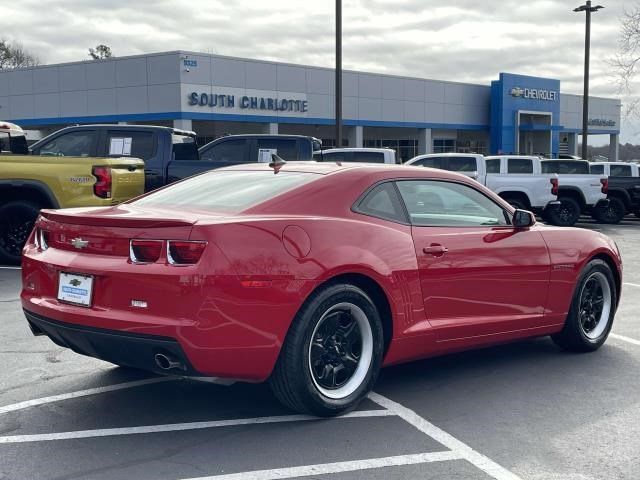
point(311, 276)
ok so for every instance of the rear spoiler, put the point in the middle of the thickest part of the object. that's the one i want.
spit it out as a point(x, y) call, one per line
point(100, 217)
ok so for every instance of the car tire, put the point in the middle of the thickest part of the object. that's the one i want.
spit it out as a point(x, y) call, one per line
point(332, 354)
point(16, 222)
point(611, 213)
point(565, 215)
point(516, 203)
point(592, 310)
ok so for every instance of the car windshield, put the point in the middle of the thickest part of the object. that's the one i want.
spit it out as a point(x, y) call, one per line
point(226, 192)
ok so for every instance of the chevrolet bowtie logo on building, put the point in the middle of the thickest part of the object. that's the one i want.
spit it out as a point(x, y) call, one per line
point(75, 282)
point(534, 94)
point(79, 243)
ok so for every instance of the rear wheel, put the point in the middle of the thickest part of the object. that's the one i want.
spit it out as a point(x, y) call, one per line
point(16, 222)
point(592, 310)
point(610, 212)
point(566, 214)
point(332, 354)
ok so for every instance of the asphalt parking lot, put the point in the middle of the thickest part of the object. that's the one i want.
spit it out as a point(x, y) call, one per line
point(520, 411)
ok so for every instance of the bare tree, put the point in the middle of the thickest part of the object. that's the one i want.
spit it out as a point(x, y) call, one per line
point(100, 52)
point(14, 55)
point(627, 60)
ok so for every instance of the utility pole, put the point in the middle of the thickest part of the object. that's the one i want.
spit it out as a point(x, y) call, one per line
point(338, 85)
point(585, 95)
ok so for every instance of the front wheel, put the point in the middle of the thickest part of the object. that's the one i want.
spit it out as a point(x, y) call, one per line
point(332, 354)
point(592, 310)
point(566, 214)
point(16, 222)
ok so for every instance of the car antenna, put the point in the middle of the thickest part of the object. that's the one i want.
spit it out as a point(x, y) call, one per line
point(277, 162)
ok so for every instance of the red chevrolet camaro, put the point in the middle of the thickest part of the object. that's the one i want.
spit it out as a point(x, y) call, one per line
point(312, 276)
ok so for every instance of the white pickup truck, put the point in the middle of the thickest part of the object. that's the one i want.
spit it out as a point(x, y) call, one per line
point(579, 191)
point(517, 179)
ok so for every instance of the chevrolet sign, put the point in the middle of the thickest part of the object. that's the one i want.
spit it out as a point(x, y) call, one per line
point(534, 94)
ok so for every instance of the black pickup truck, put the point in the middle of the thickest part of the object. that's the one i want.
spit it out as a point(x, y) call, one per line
point(623, 191)
point(170, 154)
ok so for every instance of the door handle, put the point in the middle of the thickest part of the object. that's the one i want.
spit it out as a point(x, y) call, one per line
point(435, 249)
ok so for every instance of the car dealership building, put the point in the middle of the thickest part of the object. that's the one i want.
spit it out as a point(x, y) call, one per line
point(216, 95)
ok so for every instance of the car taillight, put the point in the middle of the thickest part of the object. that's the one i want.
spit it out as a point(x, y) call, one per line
point(554, 186)
point(184, 252)
point(102, 187)
point(605, 185)
point(41, 239)
point(145, 251)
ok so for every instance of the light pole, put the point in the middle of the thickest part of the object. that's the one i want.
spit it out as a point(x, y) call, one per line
point(585, 96)
point(338, 74)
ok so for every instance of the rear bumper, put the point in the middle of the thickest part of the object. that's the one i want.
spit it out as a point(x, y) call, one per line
point(122, 348)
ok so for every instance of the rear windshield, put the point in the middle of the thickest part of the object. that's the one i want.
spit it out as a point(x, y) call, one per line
point(226, 192)
point(579, 167)
point(184, 147)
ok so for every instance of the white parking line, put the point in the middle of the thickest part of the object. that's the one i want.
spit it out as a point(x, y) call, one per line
point(82, 393)
point(337, 467)
point(625, 339)
point(461, 449)
point(10, 268)
point(631, 284)
point(175, 427)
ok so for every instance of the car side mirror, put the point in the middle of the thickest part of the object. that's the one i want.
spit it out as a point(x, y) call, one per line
point(523, 219)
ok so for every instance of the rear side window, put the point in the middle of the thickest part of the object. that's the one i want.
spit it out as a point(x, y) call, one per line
point(493, 165)
point(332, 157)
point(283, 147)
point(431, 162)
point(122, 143)
point(184, 147)
point(72, 144)
point(226, 151)
point(565, 167)
point(519, 165)
point(226, 192)
point(367, 157)
point(382, 202)
point(597, 169)
point(620, 170)
point(462, 164)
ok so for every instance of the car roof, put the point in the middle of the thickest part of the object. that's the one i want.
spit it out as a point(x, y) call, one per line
point(332, 168)
point(354, 149)
point(267, 135)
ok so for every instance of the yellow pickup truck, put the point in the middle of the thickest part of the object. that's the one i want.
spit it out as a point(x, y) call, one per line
point(29, 183)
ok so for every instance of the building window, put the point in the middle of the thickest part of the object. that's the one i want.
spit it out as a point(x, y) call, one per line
point(472, 146)
point(405, 149)
point(442, 145)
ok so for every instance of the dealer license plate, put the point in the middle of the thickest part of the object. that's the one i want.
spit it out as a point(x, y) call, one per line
point(75, 288)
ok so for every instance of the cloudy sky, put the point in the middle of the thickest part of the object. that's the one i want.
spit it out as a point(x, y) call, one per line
point(463, 40)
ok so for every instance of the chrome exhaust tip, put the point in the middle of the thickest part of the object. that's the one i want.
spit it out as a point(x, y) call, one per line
point(167, 362)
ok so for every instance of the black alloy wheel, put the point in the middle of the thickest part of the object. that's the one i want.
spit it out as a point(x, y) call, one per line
point(335, 351)
point(610, 212)
point(592, 310)
point(566, 214)
point(332, 353)
point(16, 222)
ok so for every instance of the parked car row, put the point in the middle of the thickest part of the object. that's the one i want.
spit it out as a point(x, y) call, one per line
point(98, 165)
point(524, 182)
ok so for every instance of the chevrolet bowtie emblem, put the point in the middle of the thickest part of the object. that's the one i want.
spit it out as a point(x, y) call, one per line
point(79, 243)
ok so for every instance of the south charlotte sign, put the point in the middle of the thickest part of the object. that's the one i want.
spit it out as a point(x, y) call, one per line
point(214, 100)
